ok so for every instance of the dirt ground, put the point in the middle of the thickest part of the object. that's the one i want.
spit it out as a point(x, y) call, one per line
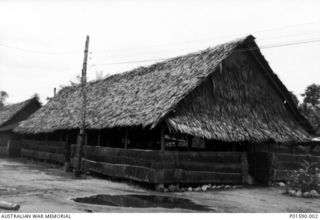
point(40, 187)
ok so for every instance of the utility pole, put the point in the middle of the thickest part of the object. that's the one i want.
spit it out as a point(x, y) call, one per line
point(79, 149)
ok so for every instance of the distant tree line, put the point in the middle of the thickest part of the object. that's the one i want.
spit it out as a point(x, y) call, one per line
point(310, 106)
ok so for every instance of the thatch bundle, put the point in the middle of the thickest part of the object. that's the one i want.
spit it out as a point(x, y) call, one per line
point(233, 109)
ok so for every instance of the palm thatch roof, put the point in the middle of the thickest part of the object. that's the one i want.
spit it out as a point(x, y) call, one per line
point(149, 95)
point(8, 112)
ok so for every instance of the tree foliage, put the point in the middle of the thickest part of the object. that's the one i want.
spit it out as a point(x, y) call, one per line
point(312, 95)
point(3, 96)
point(310, 106)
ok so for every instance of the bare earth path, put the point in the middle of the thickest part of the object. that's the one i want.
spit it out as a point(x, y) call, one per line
point(39, 187)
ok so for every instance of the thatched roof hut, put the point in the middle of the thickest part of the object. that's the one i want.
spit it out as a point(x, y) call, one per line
point(227, 93)
point(11, 115)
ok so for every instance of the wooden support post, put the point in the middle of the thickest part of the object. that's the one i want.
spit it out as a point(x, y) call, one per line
point(67, 153)
point(8, 147)
point(78, 139)
point(67, 137)
point(176, 142)
point(99, 138)
point(125, 138)
point(189, 142)
point(162, 140)
point(272, 169)
point(78, 164)
point(244, 168)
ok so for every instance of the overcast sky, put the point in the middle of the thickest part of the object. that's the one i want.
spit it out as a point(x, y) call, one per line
point(42, 42)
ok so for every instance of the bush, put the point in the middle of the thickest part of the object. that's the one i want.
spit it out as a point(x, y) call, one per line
point(306, 179)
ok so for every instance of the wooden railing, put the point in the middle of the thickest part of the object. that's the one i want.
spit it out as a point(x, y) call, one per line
point(50, 151)
point(154, 166)
point(3, 151)
point(11, 149)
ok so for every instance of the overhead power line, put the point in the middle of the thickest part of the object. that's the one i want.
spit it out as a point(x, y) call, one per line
point(192, 41)
point(36, 52)
point(110, 52)
point(255, 48)
point(223, 36)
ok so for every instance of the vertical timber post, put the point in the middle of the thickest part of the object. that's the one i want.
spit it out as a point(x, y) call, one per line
point(7, 150)
point(160, 186)
point(126, 138)
point(244, 168)
point(189, 142)
point(162, 140)
point(22, 144)
point(272, 168)
point(67, 153)
point(60, 136)
point(77, 168)
point(176, 143)
point(99, 138)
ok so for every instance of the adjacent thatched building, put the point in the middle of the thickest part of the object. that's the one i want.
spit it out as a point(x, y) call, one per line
point(221, 99)
point(10, 117)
